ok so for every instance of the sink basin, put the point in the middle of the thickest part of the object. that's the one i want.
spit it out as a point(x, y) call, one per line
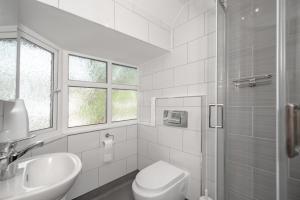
point(45, 177)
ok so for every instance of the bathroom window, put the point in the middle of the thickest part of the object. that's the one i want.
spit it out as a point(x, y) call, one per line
point(124, 105)
point(8, 65)
point(87, 106)
point(31, 79)
point(37, 83)
point(99, 92)
point(124, 75)
point(84, 69)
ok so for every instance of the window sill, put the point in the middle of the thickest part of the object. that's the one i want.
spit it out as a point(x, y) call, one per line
point(84, 129)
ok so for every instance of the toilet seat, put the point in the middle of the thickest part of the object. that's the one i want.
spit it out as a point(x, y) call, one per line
point(158, 177)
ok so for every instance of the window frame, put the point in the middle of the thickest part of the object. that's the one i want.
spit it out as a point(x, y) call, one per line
point(109, 86)
point(117, 121)
point(55, 88)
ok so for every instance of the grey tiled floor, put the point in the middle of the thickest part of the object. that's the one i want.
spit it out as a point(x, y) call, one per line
point(122, 192)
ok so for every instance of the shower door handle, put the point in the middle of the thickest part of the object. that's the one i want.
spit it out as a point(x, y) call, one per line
point(210, 106)
point(293, 129)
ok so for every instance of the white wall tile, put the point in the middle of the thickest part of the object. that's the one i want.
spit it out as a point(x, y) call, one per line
point(85, 182)
point(187, 161)
point(197, 49)
point(189, 31)
point(157, 152)
point(149, 94)
point(131, 132)
point(159, 36)
point(192, 101)
point(147, 82)
point(197, 89)
point(143, 162)
point(60, 145)
point(169, 102)
point(178, 56)
point(112, 171)
point(142, 147)
point(183, 17)
point(82, 142)
point(194, 190)
point(210, 21)
point(101, 12)
point(148, 133)
point(171, 137)
point(175, 91)
point(131, 164)
point(212, 44)
point(199, 7)
point(163, 79)
point(194, 118)
point(125, 149)
point(130, 23)
point(92, 159)
point(192, 142)
point(210, 69)
point(189, 74)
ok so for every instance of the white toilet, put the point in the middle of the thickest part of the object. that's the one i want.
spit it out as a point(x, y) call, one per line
point(161, 181)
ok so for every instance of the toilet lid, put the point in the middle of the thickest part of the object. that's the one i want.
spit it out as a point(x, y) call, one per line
point(158, 176)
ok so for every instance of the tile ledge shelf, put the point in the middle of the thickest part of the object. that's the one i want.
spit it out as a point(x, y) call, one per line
point(153, 106)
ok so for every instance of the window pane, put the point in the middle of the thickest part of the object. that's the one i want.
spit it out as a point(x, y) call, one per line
point(8, 63)
point(87, 106)
point(84, 69)
point(36, 66)
point(124, 105)
point(124, 75)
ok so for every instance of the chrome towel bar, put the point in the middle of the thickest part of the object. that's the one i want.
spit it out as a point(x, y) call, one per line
point(253, 81)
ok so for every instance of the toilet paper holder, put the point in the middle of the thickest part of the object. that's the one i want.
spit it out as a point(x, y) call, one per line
point(107, 135)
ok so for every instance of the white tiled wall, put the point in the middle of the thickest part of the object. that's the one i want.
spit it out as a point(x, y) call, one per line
point(89, 148)
point(180, 146)
point(119, 16)
point(188, 70)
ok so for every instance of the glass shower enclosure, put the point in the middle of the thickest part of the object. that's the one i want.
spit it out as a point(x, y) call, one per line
point(258, 80)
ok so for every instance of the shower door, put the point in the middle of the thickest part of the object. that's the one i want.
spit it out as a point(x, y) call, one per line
point(288, 98)
point(259, 76)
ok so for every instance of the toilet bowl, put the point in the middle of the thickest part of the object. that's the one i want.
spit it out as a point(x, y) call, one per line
point(161, 181)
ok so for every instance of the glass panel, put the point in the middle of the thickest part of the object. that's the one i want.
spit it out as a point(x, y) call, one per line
point(124, 105)
point(290, 170)
point(85, 69)
point(124, 75)
point(250, 129)
point(221, 97)
point(8, 65)
point(36, 66)
point(87, 106)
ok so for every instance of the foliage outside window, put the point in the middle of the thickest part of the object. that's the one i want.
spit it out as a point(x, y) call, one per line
point(89, 92)
point(87, 106)
point(124, 105)
point(124, 75)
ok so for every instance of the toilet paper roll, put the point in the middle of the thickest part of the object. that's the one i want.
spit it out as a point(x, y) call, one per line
point(108, 150)
point(108, 143)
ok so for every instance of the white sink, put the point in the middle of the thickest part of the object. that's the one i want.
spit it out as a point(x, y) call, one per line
point(45, 177)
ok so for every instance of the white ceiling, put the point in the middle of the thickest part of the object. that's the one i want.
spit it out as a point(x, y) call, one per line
point(69, 32)
point(162, 10)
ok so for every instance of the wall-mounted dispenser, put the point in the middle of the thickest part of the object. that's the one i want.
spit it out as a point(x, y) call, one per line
point(175, 118)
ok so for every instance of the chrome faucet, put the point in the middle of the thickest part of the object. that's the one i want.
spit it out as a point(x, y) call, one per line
point(9, 154)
